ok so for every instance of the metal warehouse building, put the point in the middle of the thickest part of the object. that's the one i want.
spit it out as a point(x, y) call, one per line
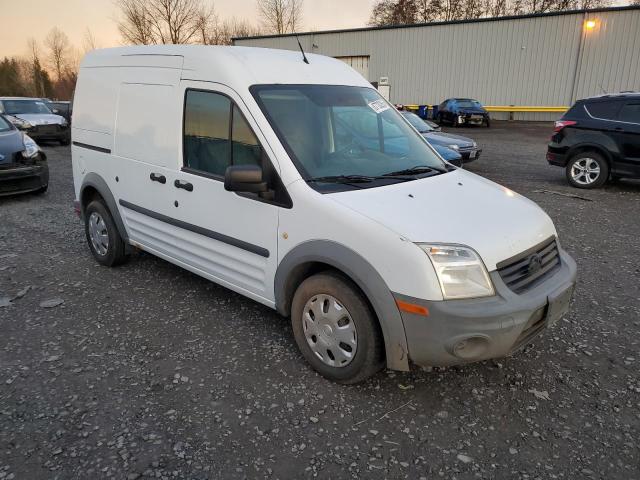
point(509, 63)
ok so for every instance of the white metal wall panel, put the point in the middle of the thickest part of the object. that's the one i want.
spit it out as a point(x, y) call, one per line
point(359, 63)
point(533, 61)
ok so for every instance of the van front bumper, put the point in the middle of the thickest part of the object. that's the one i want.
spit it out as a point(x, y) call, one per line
point(462, 331)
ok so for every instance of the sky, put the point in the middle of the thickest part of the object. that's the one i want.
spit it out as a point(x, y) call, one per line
point(22, 19)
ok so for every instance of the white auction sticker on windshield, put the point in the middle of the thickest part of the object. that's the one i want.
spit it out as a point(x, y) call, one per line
point(379, 106)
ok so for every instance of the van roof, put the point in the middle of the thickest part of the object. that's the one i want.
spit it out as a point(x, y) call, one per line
point(237, 67)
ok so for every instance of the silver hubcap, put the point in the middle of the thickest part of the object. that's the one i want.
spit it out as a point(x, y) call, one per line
point(98, 233)
point(329, 330)
point(585, 171)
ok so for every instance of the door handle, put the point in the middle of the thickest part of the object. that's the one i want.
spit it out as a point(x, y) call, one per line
point(183, 185)
point(158, 178)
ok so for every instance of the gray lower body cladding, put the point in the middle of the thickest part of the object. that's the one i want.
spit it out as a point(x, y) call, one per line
point(462, 331)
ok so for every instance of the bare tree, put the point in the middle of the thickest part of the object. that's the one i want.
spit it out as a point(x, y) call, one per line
point(58, 49)
point(396, 12)
point(134, 23)
point(149, 22)
point(207, 25)
point(88, 41)
point(281, 16)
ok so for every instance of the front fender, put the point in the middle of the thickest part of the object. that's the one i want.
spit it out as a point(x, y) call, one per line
point(363, 274)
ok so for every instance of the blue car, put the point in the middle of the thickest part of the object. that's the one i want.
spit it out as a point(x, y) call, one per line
point(448, 154)
point(462, 111)
point(23, 166)
point(467, 148)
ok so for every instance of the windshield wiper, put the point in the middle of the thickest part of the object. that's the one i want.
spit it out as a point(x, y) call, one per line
point(415, 171)
point(356, 178)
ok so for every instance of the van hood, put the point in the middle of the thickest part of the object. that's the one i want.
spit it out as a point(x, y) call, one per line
point(41, 118)
point(456, 207)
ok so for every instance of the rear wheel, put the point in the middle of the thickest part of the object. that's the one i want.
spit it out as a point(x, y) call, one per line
point(335, 329)
point(587, 170)
point(103, 237)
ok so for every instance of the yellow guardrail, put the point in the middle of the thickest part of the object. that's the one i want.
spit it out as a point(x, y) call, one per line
point(507, 108)
point(520, 108)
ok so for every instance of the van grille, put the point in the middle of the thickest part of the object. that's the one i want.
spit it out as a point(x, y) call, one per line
point(524, 271)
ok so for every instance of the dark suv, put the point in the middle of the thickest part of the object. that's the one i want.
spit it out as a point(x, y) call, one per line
point(597, 139)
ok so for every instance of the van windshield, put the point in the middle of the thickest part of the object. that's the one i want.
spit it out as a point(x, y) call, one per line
point(339, 134)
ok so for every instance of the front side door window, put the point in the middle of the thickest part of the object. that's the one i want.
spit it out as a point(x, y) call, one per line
point(216, 135)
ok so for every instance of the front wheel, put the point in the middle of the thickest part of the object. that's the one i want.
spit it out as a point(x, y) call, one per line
point(587, 170)
point(335, 329)
point(103, 237)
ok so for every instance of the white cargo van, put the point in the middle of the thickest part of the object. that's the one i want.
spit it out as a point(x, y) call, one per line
point(297, 185)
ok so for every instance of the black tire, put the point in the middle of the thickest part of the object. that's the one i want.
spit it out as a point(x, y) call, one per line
point(584, 159)
point(115, 251)
point(369, 355)
point(488, 122)
point(454, 121)
point(41, 190)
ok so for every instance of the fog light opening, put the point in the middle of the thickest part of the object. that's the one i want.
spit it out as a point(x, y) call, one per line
point(470, 348)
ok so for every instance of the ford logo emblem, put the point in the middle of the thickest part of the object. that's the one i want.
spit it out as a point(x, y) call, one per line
point(535, 263)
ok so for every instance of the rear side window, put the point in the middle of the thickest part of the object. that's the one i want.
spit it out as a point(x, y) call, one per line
point(630, 112)
point(216, 134)
point(577, 111)
point(604, 110)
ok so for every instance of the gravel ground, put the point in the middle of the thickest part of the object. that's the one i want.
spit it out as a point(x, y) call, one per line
point(149, 371)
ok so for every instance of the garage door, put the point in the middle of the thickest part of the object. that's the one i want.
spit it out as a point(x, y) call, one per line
point(360, 64)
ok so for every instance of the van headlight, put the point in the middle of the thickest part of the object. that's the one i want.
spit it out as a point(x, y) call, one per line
point(31, 148)
point(460, 271)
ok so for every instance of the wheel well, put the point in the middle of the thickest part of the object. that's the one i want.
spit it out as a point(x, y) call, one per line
point(88, 195)
point(298, 275)
point(591, 148)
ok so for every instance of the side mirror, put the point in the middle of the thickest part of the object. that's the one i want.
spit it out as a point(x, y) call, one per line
point(244, 178)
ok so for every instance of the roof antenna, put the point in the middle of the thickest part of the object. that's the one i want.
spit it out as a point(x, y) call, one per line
point(304, 57)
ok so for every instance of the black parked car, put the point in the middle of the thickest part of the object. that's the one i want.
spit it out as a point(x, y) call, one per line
point(62, 108)
point(598, 139)
point(23, 166)
point(462, 111)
